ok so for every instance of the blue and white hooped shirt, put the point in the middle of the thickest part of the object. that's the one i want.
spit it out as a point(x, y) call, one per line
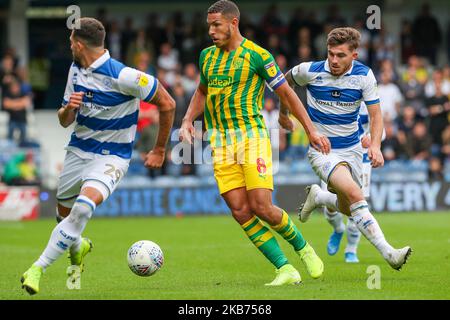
point(333, 102)
point(107, 119)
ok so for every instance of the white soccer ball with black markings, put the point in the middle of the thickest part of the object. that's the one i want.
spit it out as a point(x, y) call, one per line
point(145, 258)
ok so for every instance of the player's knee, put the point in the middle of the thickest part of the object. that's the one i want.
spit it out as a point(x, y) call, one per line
point(260, 207)
point(241, 213)
point(265, 210)
point(355, 194)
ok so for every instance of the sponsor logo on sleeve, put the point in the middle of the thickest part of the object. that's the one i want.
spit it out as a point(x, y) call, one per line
point(271, 69)
point(143, 80)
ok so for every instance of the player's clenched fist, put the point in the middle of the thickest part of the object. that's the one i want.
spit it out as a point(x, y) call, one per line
point(75, 100)
point(155, 158)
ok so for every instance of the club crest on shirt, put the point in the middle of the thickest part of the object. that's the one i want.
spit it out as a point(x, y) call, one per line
point(107, 82)
point(354, 82)
point(238, 63)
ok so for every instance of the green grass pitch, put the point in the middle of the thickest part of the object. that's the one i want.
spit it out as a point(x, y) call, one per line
point(209, 257)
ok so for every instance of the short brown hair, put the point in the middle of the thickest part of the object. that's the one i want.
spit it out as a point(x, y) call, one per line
point(347, 35)
point(226, 8)
point(91, 31)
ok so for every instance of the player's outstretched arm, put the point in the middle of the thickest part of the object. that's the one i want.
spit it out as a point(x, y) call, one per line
point(290, 100)
point(196, 108)
point(376, 132)
point(284, 119)
point(67, 113)
point(166, 106)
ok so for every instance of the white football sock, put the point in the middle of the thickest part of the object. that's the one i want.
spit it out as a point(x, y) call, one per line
point(353, 236)
point(335, 220)
point(68, 232)
point(327, 199)
point(369, 227)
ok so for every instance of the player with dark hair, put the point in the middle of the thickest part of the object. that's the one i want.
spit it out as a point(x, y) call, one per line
point(102, 98)
point(233, 73)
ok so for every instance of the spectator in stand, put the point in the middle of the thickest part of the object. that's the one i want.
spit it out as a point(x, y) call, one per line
point(182, 99)
point(282, 62)
point(435, 170)
point(413, 85)
point(16, 102)
point(387, 65)
point(303, 55)
point(168, 60)
point(275, 45)
point(321, 38)
point(277, 135)
point(446, 143)
point(272, 23)
point(21, 170)
point(418, 142)
point(128, 35)
point(144, 63)
point(39, 69)
point(303, 39)
point(406, 41)
point(113, 40)
point(148, 127)
point(334, 17)
point(438, 79)
point(439, 111)
point(383, 45)
point(391, 147)
point(7, 72)
point(296, 22)
point(364, 46)
point(427, 34)
point(390, 97)
point(406, 123)
point(190, 78)
point(139, 45)
point(157, 33)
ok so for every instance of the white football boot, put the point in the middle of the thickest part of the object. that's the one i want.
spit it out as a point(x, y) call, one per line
point(307, 207)
point(398, 257)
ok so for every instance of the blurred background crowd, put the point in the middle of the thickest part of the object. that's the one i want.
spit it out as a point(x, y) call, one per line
point(414, 85)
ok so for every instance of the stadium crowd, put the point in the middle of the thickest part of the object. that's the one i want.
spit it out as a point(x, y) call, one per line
point(414, 89)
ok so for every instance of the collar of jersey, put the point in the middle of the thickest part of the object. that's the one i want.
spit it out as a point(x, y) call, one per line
point(327, 68)
point(97, 63)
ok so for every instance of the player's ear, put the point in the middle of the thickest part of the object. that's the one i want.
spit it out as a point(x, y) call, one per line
point(235, 22)
point(355, 54)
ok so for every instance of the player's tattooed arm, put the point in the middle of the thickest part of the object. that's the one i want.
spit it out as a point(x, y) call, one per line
point(166, 106)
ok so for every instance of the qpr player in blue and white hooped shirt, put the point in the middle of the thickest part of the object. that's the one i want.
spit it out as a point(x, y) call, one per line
point(333, 104)
point(336, 88)
point(105, 124)
point(102, 99)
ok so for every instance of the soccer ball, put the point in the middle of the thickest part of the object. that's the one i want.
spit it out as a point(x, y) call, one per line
point(145, 258)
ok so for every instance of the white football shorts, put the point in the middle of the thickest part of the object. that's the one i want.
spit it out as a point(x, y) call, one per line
point(102, 172)
point(324, 164)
